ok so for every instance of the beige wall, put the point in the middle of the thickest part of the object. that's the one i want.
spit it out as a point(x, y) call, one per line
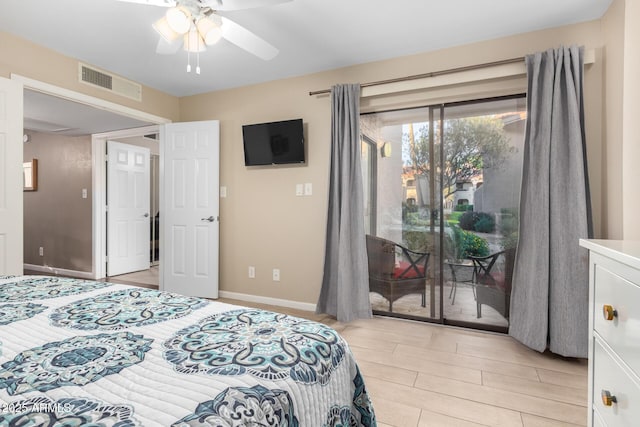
point(264, 224)
point(56, 217)
point(631, 122)
point(613, 58)
point(19, 56)
point(621, 127)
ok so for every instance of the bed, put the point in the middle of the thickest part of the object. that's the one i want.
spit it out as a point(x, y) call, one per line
point(76, 352)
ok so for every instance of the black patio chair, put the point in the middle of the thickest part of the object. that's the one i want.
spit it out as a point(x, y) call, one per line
point(493, 285)
point(395, 271)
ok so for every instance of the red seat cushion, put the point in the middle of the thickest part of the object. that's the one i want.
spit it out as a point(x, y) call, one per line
point(411, 274)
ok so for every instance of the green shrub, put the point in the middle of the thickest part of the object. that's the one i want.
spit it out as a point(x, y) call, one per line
point(481, 222)
point(485, 223)
point(468, 244)
point(468, 220)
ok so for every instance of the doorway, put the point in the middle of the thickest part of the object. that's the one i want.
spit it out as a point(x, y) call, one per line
point(193, 257)
point(443, 182)
point(145, 137)
point(55, 110)
point(189, 221)
point(146, 237)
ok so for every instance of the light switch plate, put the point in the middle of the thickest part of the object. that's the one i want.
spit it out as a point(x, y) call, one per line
point(223, 191)
point(299, 190)
point(308, 189)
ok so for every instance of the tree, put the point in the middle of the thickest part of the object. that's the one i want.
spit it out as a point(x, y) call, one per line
point(470, 145)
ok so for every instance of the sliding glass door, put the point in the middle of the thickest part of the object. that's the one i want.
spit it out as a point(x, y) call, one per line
point(444, 181)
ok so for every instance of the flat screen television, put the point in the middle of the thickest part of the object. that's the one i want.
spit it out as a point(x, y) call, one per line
point(273, 143)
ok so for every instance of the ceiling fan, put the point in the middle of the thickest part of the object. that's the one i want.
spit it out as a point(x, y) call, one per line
point(196, 24)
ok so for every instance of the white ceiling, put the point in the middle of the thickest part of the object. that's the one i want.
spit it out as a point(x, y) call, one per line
point(312, 35)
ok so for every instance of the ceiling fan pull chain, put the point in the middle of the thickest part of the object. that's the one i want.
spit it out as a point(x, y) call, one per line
point(188, 56)
point(198, 40)
point(198, 63)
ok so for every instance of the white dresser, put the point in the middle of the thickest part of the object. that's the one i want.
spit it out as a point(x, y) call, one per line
point(614, 332)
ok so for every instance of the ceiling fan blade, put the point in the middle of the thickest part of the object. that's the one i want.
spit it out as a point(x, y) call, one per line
point(239, 4)
point(168, 48)
point(163, 3)
point(246, 40)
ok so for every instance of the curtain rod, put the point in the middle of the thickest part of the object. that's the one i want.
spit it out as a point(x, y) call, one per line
point(431, 74)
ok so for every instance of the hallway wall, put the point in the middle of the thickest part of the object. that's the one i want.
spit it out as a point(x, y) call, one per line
point(56, 216)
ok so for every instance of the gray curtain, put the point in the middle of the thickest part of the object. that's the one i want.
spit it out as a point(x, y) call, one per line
point(549, 300)
point(345, 285)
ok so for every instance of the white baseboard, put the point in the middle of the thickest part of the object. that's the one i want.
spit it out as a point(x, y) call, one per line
point(267, 300)
point(224, 294)
point(60, 271)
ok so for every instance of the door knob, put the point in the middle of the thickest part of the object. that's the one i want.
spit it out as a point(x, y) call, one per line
point(210, 219)
point(146, 215)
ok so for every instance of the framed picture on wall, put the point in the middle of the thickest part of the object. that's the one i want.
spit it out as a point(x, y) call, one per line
point(30, 175)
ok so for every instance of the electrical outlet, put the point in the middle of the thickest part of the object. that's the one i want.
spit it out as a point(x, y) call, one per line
point(84, 193)
point(276, 274)
point(41, 251)
point(252, 272)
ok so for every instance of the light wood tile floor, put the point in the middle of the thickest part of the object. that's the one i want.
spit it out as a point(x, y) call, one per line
point(421, 374)
point(146, 277)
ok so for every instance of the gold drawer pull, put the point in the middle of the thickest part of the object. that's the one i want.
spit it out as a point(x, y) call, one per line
point(607, 398)
point(609, 312)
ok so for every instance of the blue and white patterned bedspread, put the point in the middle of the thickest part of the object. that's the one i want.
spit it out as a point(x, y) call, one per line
point(76, 352)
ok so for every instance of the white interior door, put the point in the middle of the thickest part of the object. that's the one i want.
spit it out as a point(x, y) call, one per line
point(128, 215)
point(189, 206)
point(11, 179)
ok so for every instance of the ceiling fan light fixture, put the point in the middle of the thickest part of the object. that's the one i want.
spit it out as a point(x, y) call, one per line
point(179, 19)
point(193, 42)
point(200, 26)
point(210, 30)
point(163, 28)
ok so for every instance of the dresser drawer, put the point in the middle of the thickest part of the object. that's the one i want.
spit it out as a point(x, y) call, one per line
point(610, 376)
point(622, 332)
point(597, 420)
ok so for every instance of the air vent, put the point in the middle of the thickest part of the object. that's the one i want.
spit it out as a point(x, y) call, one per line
point(97, 78)
point(110, 82)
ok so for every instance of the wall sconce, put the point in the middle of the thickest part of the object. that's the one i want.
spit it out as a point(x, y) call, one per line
point(385, 151)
